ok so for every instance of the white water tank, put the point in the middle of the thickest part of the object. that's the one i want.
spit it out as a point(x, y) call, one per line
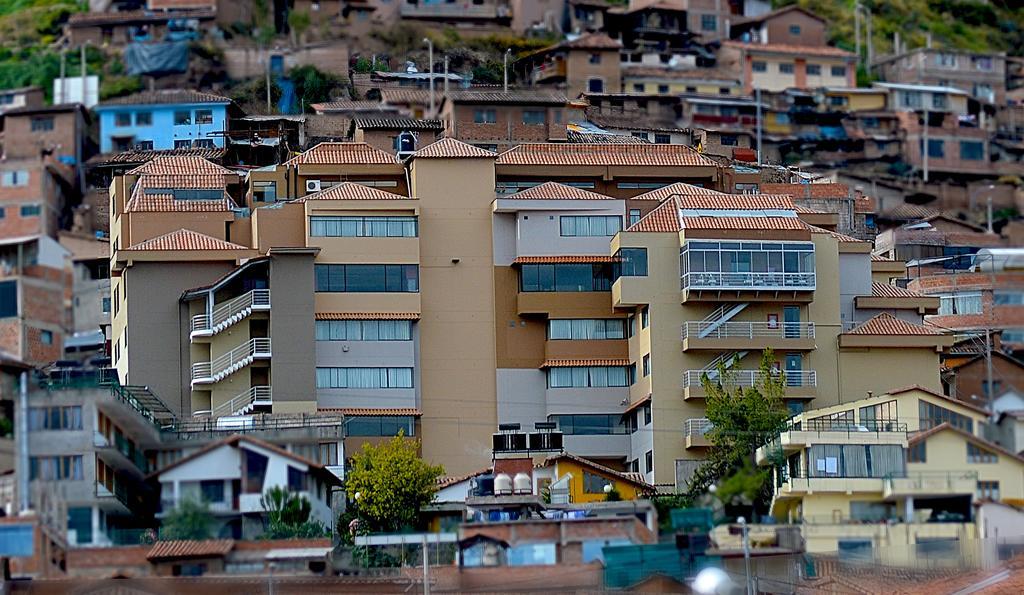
point(502, 484)
point(522, 484)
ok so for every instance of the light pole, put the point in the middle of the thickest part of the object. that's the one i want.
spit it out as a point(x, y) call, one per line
point(430, 58)
point(504, 68)
point(746, 551)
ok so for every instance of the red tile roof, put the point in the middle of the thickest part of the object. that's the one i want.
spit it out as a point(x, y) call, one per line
point(880, 258)
point(842, 238)
point(887, 324)
point(166, 203)
point(680, 188)
point(443, 482)
point(450, 148)
point(178, 164)
point(185, 239)
point(808, 190)
point(556, 191)
point(334, 153)
point(664, 218)
point(367, 316)
point(632, 478)
point(194, 181)
point(598, 361)
point(132, 157)
point(352, 191)
point(169, 550)
point(795, 50)
point(369, 411)
point(582, 259)
point(604, 155)
point(751, 223)
point(736, 202)
point(892, 291)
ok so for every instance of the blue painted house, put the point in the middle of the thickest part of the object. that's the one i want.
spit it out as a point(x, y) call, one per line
point(159, 120)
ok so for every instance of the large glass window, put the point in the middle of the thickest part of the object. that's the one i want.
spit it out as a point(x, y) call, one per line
point(362, 227)
point(587, 328)
point(367, 278)
point(881, 417)
point(182, 118)
point(597, 424)
point(566, 277)
point(532, 554)
point(972, 150)
point(756, 265)
point(590, 225)
point(1008, 298)
point(976, 454)
point(380, 425)
point(960, 303)
point(264, 192)
point(8, 299)
point(533, 117)
point(588, 377)
point(933, 415)
point(632, 262)
point(55, 418)
point(363, 330)
point(364, 378)
point(54, 468)
point(856, 460)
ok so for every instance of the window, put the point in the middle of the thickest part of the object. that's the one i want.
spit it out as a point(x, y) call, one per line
point(267, 192)
point(936, 148)
point(122, 119)
point(8, 299)
point(647, 365)
point(296, 480)
point(30, 210)
point(143, 118)
point(589, 226)
point(662, 88)
point(911, 99)
point(708, 22)
point(983, 63)
point(80, 521)
point(196, 569)
point(372, 425)
point(638, 87)
point(588, 377)
point(917, 453)
point(960, 303)
point(645, 317)
point(794, 29)
point(728, 140)
point(814, 69)
point(367, 278)
point(204, 116)
point(631, 320)
point(363, 330)
point(41, 124)
point(640, 134)
point(373, 378)
point(945, 59)
point(485, 116)
point(328, 453)
point(533, 117)
point(182, 144)
point(56, 468)
point(939, 101)
point(106, 305)
point(759, 66)
point(631, 262)
point(837, 101)
point(987, 490)
point(18, 177)
point(647, 414)
point(972, 150)
point(881, 417)
point(55, 418)
point(586, 329)
point(594, 483)
point(334, 226)
point(786, 68)
point(203, 143)
point(182, 118)
point(144, 145)
point(532, 554)
point(46, 337)
point(595, 58)
point(566, 277)
point(634, 216)
point(933, 415)
point(976, 454)
point(662, 139)
point(598, 424)
point(649, 461)
point(855, 549)
point(1008, 298)
point(595, 85)
point(212, 490)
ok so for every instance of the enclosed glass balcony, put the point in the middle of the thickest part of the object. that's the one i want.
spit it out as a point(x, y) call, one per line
point(747, 266)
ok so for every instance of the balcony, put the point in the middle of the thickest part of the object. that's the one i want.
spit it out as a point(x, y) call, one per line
point(800, 384)
point(245, 402)
point(119, 454)
point(229, 363)
point(749, 281)
point(934, 483)
point(113, 499)
point(828, 431)
point(745, 336)
point(229, 312)
point(742, 270)
point(455, 11)
point(695, 430)
point(802, 485)
point(550, 69)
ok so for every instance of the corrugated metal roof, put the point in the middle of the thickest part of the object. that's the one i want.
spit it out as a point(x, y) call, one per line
point(796, 50)
point(166, 97)
point(519, 96)
point(398, 124)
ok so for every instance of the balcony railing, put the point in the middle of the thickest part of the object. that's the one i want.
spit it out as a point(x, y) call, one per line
point(231, 361)
point(745, 378)
point(748, 330)
point(231, 311)
point(931, 482)
point(697, 426)
point(120, 493)
point(834, 425)
point(244, 402)
point(749, 281)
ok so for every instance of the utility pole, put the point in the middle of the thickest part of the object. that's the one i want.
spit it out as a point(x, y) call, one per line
point(63, 73)
point(924, 146)
point(21, 434)
point(446, 75)
point(430, 58)
point(988, 210)
point(426, 567)
point(856, 30)
point(988, 369)
point(266, 57)
point(757, 100)
point(504, 68)
point(746, 552)
point(870, 40)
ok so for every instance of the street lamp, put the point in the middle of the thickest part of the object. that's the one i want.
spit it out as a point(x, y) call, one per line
point(746, 551)
point(712, 581)
point(430, 58)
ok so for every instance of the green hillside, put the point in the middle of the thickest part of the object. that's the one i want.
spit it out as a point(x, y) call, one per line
point(978, 25)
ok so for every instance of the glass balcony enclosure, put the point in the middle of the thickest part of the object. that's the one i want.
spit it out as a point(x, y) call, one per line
point(747, 265)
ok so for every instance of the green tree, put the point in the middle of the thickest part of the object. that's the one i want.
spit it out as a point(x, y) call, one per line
point(299, 22)
point(392, 483)
point(312, 85)
point(288, 515)
point(191, 519)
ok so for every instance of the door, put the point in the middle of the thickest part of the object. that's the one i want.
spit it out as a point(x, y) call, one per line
point(794, 365)
point(791, 317)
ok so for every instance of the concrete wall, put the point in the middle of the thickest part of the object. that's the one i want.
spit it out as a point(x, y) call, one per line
point(292, 330)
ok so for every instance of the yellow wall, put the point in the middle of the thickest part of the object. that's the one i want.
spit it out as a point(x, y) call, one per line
point(627, 490)
point(703, 87)
point(947, 451)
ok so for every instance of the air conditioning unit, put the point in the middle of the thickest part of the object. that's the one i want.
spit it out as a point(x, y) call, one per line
point(312, 186)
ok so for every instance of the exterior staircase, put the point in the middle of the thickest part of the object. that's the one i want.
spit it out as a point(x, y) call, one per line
point(230, 312)
point(232, 361)
point(245, 402)
point(720, 316)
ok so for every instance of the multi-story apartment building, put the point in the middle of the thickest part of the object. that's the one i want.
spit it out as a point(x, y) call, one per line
point(35, 298)
point(20, 97)
point(982, 76)
point(160, 120)
point(790, 25)
point(777, 67)
point(466, 289)
point(501, 119)
point(589, 63)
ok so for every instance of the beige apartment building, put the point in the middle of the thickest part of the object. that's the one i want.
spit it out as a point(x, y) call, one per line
point(459, 289)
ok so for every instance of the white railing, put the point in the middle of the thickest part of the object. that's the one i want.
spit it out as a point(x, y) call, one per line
point(238, 307)
point(229, 362)
point(748, 330)
point(244, 402)
point(751, 281)
point(697, 426)
point(745, 378)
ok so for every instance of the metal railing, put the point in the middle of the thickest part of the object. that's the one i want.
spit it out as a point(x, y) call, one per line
point(258, 423)
point(106, 378)
point(748, 330)
point(237, 357)
point(240, 402)
point(223, 312)
point(835, 425)
point(752, 281)
point(940, 481)
point(120, 493)
point(745, 378)
point(697, 426)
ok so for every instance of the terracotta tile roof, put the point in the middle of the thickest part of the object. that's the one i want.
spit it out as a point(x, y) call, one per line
point(703, 74)
point(598, 361)
point(628, 477)
point(887, 324)
point(842, 238)
point(796, 50)
point(352, 191)
point(166, 203)
point(334, 153)
point(369, 411)
point(880, 258)
point(166, 97)
point(183, 181)
point(367, 316)
point(185, 239)
point(450, 148)
point(918, 387)
point(810, 211)
point(583, 259)
point(603, 155)
point(167, 550)
point(751, 223)
point(664, 218)
point(556, 191)
point(892, 291)
point(736, 202)
point(680, 188)
point(638, 404)
point(592, 41)
point(808, 190)
point(178, 164)
point(398, 124)
point(516, 96)
point(443, 482)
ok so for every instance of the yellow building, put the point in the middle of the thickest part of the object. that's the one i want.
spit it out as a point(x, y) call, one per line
point(891, 469)
point(582, 480)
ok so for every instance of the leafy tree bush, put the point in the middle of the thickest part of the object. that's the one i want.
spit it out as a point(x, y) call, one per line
point(288, 516)
point(191, 519)
point(312, 85)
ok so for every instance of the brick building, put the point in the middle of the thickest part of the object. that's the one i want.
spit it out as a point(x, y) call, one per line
point(35, 287)
point(498, 120)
